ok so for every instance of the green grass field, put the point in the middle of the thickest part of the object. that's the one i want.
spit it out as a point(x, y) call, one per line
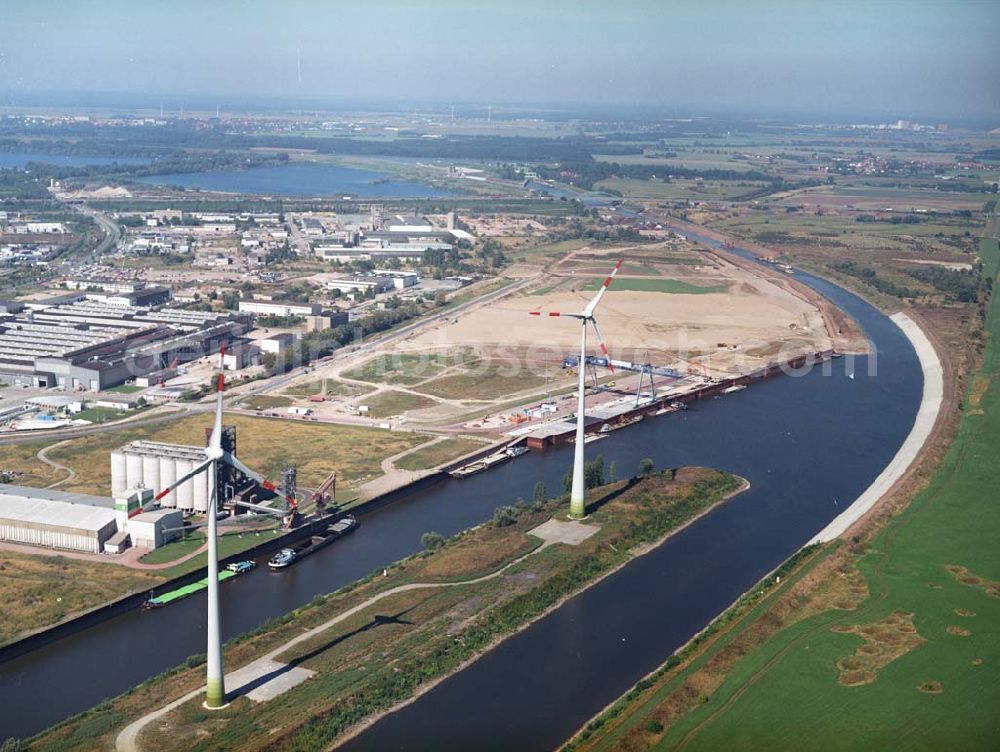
point(939, 562)
point(675, 286)
point(267, 402)
point(391, 402)
point(484, 383)
point(404, 368)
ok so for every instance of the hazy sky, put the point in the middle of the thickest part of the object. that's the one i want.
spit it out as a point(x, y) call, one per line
point(905, 58)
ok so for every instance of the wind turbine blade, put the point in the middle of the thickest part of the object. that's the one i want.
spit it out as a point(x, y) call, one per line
point(184, 479)
point(215, 442)
point(263, 482)
point(600, 341)
point(589, 310)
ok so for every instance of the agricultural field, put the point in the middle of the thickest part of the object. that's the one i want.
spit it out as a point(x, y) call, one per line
point(903, 658)
point(263, 444)
point(876, 198)
point(903, 253)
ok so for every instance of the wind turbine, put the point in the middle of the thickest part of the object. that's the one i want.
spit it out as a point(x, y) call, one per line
point(577, 509)
point(215, 693)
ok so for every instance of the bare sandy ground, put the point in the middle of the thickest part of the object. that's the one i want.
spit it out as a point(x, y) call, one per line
point(754, 322)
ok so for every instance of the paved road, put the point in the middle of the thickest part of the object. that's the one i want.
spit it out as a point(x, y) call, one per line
point(112, 232)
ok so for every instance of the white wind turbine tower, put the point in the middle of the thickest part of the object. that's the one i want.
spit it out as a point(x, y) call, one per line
point(577, 508)
point(215, 694)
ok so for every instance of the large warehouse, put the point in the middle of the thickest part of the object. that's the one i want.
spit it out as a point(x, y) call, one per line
point(92, 346)
point(56, 519)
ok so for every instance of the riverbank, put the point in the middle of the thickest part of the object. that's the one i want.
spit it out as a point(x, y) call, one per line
point(926, 573)
point(431, 632)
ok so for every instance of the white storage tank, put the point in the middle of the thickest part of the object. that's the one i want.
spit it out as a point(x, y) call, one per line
point(133, 470)
point(151, 472)
point(168, 474)
point(119, 480)
point(200, 482)
point(185, 492)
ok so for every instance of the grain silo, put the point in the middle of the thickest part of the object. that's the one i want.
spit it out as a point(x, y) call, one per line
point(168, 475)
point(118, 478)
point(185, 491)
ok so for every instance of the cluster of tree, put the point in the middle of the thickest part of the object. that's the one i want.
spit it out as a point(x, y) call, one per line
point(586, 172)
point(958, 285)
point(895, 219)
point(868, 275)
point(282, 253)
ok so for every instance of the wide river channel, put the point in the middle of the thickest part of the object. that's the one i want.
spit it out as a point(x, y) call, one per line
point(808, 443)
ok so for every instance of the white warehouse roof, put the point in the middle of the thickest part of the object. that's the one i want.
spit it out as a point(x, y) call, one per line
point(62, 512)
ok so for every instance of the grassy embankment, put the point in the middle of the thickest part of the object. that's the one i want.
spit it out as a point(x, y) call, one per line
point(896, 648)
point(39, 590)
point(383, 655)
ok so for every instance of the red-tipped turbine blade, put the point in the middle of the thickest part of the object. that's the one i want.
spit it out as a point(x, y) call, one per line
point(600, 341)
point(589, 310)
point(534, 313)
point(554, 313)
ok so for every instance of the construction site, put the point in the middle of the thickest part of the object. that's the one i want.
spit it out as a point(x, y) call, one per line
point(682, 323)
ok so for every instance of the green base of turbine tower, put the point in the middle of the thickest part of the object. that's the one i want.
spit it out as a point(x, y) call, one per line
point(215, 694)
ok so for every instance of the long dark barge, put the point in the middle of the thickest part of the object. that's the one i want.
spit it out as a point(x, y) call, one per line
point(288, 556)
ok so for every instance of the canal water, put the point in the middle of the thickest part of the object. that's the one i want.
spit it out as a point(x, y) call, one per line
point(809, 444)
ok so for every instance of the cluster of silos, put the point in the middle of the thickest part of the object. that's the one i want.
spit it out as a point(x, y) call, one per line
point(157, 466)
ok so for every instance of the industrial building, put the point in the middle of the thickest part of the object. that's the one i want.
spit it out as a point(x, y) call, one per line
point(56, 519)
point(154, 465)
point(364, 285)
point(278, 343)
point(82, 344)
point(277, 308)
point(326, 320)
